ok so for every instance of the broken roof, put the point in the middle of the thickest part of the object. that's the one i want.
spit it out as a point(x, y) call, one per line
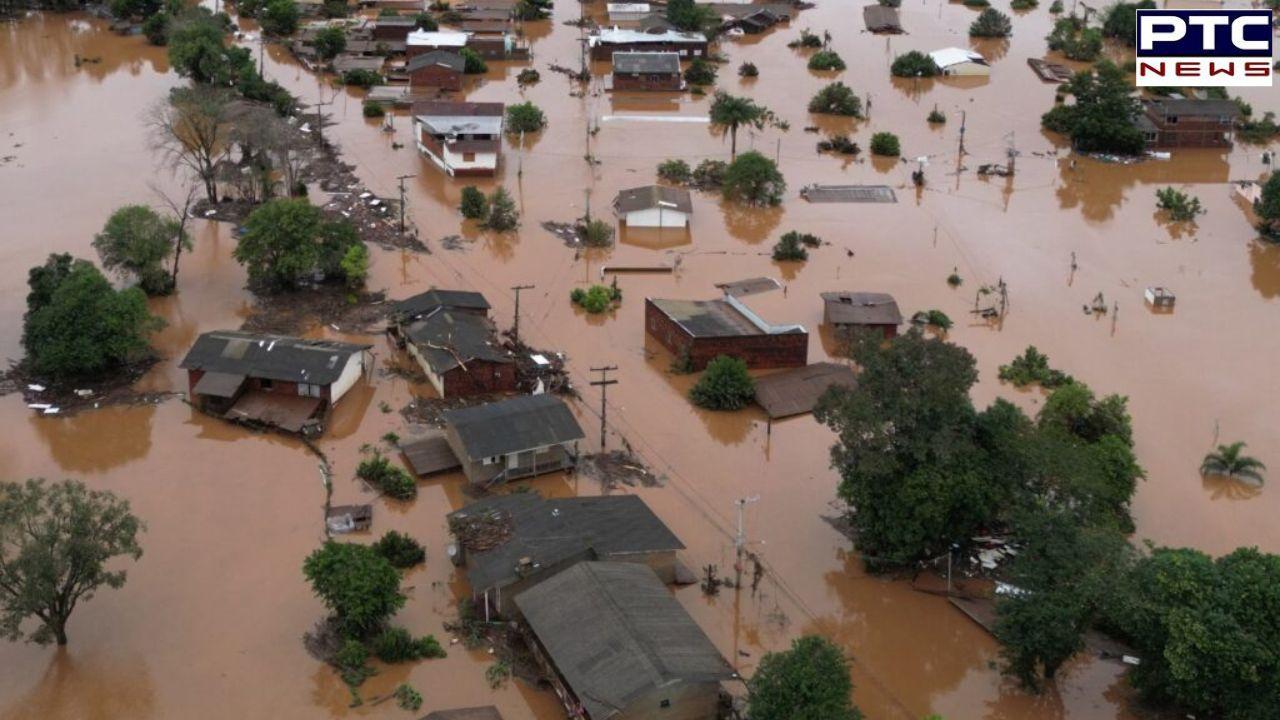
point(450, 60)
point(750, 286)
point(651, 197)
point(615, 633)
point(273, 357)
point(796, 391)
point(861, 308)
point(637, 63)
point(515, 425)
point(548, 531)
point(448, 340)
point(435, 299)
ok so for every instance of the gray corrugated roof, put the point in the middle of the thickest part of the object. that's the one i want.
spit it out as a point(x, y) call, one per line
point(649, 197)
point(273, 357)
point(797, 391)
point(879, 18)
point(861, 308)
point(707, 318)
point(450, 339)
point(615, 633)
point(514, 425)
point(638, 63)
point(488, 712)
point(432, 300)
point(451, 60)
point(549, 531)
point(1190, 107)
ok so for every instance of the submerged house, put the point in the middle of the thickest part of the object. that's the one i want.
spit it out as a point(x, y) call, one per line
point(512, 439)
point(434, 300)
point(1173, 122)
point(436, 69)
point(862, 311)
point(882, 19)
point(461, 138)
point(959, 61)
point(654, 206)
point(697, 331)
point(618, 646)
point(647, 71)
point(460, 355)
point(284, 382)
point(545, 535)
point(613, 40)
point(424, 41)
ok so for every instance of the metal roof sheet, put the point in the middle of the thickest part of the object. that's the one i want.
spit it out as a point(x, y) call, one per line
point(274, 357)
point(515, 425)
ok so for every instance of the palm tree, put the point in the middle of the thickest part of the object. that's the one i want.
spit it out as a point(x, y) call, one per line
point(1229, 461)
point(730, 113)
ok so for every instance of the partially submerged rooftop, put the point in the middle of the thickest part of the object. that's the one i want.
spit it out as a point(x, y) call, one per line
point(861, 308)
point(615, 633)
point(443, 58)
point(1193, 108)
point(273, 357)
point(436, 299)
point(797, 391)
point(549, 531)
point(515, 425)
point(448, 340)
point(617, 36)
point(651, 197)
point(646, 63)
point(460, 118)
point(718, 318)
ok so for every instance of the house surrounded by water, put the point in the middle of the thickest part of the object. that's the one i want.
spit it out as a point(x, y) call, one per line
point(654, 206)
point(510, 543)
point(462, 138)
point(617, 645)
point(656, 71)
point(272, 380)
point(862, 311)
point(513, 439)
point(697, 331)
point(1186, 122)
point(614, 40)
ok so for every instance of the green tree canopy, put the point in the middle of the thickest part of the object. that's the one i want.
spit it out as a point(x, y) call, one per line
point(136, 241)
point(1120, 21)
point(330, 42)
point(729, 112)
point(1101, 118)
point(913, 63)
point(55, 542)
point(689, 16)
point(279, 17)
point(359, 585)
point(196, 49)
point(1268, 208)
point(285, 240)
point(991, 23)
point(525, 117)
point(836, 99)
point(724, 385)
point(1206, 630)
point(78, 326)
point(753, 179)
point(808, 682)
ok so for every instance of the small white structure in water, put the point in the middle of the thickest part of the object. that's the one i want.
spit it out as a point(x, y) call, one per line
point(654, 206)
point(958, 61)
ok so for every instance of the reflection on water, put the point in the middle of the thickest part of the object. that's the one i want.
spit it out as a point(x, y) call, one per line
point(88, 686)
point(92, 442)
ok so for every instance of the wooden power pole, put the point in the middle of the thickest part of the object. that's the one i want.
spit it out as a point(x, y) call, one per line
point(401, 179)
point(603, 383)
point(515, 327)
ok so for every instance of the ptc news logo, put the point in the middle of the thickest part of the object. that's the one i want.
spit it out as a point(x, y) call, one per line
point(1204, 48)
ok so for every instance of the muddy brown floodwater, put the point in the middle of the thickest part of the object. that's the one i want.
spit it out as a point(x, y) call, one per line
point(209, 624)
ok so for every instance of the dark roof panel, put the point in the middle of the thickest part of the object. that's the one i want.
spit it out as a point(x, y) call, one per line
point(861, 308)
point(615, 633)
point(653, 196)
point(514, 425)
point(549, 531)
point(432, 300)
point(274, 357)
point(452, 61)
point(646, 63)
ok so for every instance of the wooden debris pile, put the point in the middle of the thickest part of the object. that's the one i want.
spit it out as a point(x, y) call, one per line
point(481, 533)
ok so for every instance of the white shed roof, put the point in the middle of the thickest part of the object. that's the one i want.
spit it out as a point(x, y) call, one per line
point(946, 57)
point(613, 36)
point(627, 7)
point(437, 39)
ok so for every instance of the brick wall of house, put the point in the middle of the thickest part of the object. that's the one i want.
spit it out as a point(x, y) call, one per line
point(480, 377)
point(758, 351)
point(436, 76)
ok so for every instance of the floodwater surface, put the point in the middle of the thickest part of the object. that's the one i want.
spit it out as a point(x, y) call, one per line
point(210, 622)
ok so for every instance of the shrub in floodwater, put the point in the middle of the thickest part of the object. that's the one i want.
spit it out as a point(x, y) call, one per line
point(836, 99)
point(675, 171)
point(388, 477)
point(597, 298)
point(400, 550)
point(710, 173)
point(913, 64)
point(936, 117)
point(596, 233)
point(789, 249)
point(748, 70)
point(826, 60)
point(700, 72)
point(807, 40)
point(373, 109)
point(396, 645)
point(361, 78)
point(474, 206)
point(886, 144)
point(1032, 366)
point(352, 663)
point(724, 385)
point(408, 698)
point(839, 143)
point(502, 212)
point(954, 280)
point(1180, 206)
point(991, 23)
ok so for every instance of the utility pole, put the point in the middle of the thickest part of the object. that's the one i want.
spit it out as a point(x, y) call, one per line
point(1012, 153)
point(515, 329)
point(320, 103)
point(604, 382)
point(963, 119)
point(587, 193)
point(777, 154)
point(740, 541)
point(402, 178)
